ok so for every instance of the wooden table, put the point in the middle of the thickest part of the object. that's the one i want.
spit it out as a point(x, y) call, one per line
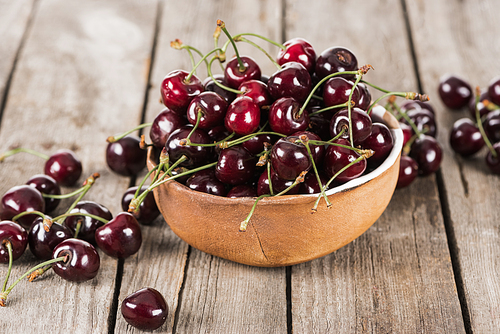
point(74, 72)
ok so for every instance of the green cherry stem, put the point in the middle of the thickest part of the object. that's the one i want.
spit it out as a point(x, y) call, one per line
point(16, 217)
point(407, 118)
point(187, 141)
point(330, 108)
point(77, 229)
point(69, 214)
point(199, 63)
point(25, 150)
point(243, 39)
point(8, 245)
point(305, 141)
point(112, 139)
point(406, 95)
point(480, 125)
point(376, 87)
point(281, 46)
point(222, 25)
point(269, 178)
point(229, 89)
point(349, 108)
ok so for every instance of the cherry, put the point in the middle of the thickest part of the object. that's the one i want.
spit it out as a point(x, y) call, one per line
point(64, 167)
point(337, 157)
point(380, 141)
point(494, 90)
point(18, 238)
point(82, 262)
point(255, 145)
point(293, 80)
point(298, 50)
point(483, 110)
point(407, 132)
point(493, 162)
point(491, 125)
point(196, 155)
point(212, 108)
point(205, 181)
point(177, 92)
point(337, 90)
point(234, 76)
point(46, 185)
point(20, 199)
point(310, 184)
point(278, 184)
point(408, 171)
point(41, 242)
point(145, 309)
point(424, 120)
point(242, 116)
point(336, 59)
point(257, 91)
point(427, 153)
point(163, 125)
point(289, 158)
point(88, 225)
point(454, 91)
point(242, 190)
point(284, 116)
point(416, 104)
point(465, 137)
point(361, 124)
point(121, 237)
point(210, 85)
point(317, 151)
point(235, 165)
point(125, 156)
point(148, 210)
point(365, 97)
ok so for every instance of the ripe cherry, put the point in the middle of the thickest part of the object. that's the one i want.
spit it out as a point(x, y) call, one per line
point(293, 80)
point(177, 92)
point(88, 224)
point(278, 184)
point(18, 238)
point(234, 76)
point(284, 116)
point(196, 155)
point(494, 90)
point(424, 120)
point(125, 156)
point(336, 59)
point(163, 125)
point(257, 91)
point(212, 108)
point(242, 116)
point(380, 141)
point(145, 309)
point(427, 153)
point(46, 185)
point(64, 167)
point(41, 242)
point(365, 97)
point(465, 137)
point(408, 171)
point(235, 165)
point(311, 185)
point(483, 110)
point(317, 151)
point(491, 125)
point(255, 145)
point(337, 90)
point(361, 124)
point(82, 262)
point(455, 92)
point(337, 157)
point(205, 181)
point(20, 199)
point(298, 50)
point(148, 210)
point(493, 162)
point(289, 158)
point(121, 237)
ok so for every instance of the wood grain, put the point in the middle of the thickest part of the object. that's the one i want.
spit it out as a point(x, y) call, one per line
point(465, 42)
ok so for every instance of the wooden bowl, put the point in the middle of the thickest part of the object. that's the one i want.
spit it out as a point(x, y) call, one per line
point(282, 230)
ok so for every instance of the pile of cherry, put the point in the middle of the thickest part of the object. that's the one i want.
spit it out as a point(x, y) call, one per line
point(469, 136)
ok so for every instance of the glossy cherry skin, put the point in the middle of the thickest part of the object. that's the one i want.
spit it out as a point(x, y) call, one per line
point(284, 116)
point(211, 86)
point(278, 184)
point(491, 125)
point(407, 132)
point(293, 80)
point(337, 90)
point(235, 165)
point(455, 92)
point(176, 92)
point(257, 91)
point(89, 225)
point(20, 199)
point(46, 185)
point(148, 210)
point(361, 124)
point(235, 77)
point(255, 145)
point(166, 122)
point(337, 157)
point(415, 104)
point(64, 167)
point(145, 309)
point(424, 120)
point(125, 157)
point(427, 153)
point(336, 59)
point(289, 158)
point(82, 263)
point(365, 97)
point(205, 181)
point(380, 141)
point(18, 238)
point(311, 185)
point(242, 116)
point(408, 171)
point(242, 190)
point(492, 162)
point(42, 243)
point(494, 90)
point(483, 110)
point(196, 155)
point(212, 107)
point(298, 50)
point(318, 151)
point(121, 237)
point(465, 137)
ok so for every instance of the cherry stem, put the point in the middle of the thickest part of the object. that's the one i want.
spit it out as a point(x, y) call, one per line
point(406, 95)
point(25, 150)
point(243, 39)
point(188, 78)
point(376, 87)
point(112, 139)
point(178, 45)
point(352, 148)
point(305, 142)
point(407, 118)
point(139, 187)
point(78, 228)
point(281, 46)
point(8, 245)
point(16, 217)
point(349, 107)
point(216, 45)
point(187, 140)
point(329, 108)
point(4, 294)
point(70, 214)
point(337, 136)
point(222, 25)
point(63, 196)
point(39, 272)
point(229, 89)
point(480, 125)
point(269, 178)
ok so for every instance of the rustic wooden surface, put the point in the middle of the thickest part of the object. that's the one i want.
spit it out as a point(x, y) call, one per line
point(72, 73)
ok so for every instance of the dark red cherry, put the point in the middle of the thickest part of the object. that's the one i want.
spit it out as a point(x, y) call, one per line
point(148, 210)
point(242, 116)
point(234, 76)
point(255, 145)
point(64, 167)
point(416, 104)
point(145, 309)
point(257, 91)
point(427, 153)
point(196, 155)
point(293, 80)
point(336, 59)
point(483, 110)
point(361, 124)
point(242, 190)
point(278, 184)
point(177, 92)
point(337, 157)
point(337, 90)
point(424, 120)
point(455, 92)
point(235, 165)
point(465, 137)
point(365, 97)
point(311, 185)
point(380, 141)
point(298, 50)
point(211, 86)
point(46, 185)
point(41, 242)
point(82, 262)
point(18, 238)
point(289, 158)
point(166, 122)
point(318, 151)
point(205, 181)
point(125, 156)
point(121, 237)
point(284, 116)
point(20, 199)
point(494, 90)
point(212, 107)
point(491, 125)
point(407, 132)
point(88, 224)
point(492, 162)
point(408, 171)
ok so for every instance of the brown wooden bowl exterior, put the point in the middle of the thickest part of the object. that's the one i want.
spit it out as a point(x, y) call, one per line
point(282, 230)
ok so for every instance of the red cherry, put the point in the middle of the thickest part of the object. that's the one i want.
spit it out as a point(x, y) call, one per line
point(427, 153)
point(361, 124)
point(235, 166)
point(64, 167)
point(491, 125)
point(234, 76)
point(337, 157)
point(88, 224)
point(336, 59)
point(46, 185)
point(148, 210)
point(145, 309)
point(177, 92)
point(205, 181)
point(408, 171)
point(257, 91)
point(212, 107)
point(41, 242)
point(18, 238)
point(125, 156)
point(299, 50)
point(465, 137)
point(242, 190)
point(210, 85)
point(20, 199)
point(455, 92)
point(242, 116)
point(196, 155)
point(292, 80)
point(380, 141)
point(337, 90)
point(166, 122)
point(494, 90)
point(121, 237)
point(278, 184)
point(284, 116)
point(82, 263)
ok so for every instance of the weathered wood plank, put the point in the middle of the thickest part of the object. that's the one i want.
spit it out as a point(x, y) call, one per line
point(79, 79)
point(218, 296)
point(463, 37)
point(397, 277)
